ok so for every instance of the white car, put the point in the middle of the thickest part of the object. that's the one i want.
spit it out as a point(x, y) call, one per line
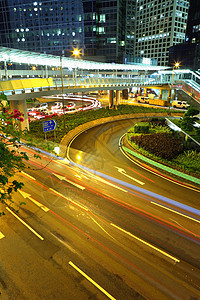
point(57, 105)
point(180, 104)
point(71, 105)
point(41, 106)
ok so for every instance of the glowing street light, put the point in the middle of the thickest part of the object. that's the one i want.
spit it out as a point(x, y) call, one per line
point(76, 52)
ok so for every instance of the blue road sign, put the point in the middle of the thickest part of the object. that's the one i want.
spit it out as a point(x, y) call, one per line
point(49, 125)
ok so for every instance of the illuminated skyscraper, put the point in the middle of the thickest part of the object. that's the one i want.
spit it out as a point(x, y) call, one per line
point(44, 26)
point(160, 24)
point(95, 26)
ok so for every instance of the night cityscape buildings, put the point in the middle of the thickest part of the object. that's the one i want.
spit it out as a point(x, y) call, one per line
point(95, 27)
point(123, 31)
point(188, 53)
point(159, 25)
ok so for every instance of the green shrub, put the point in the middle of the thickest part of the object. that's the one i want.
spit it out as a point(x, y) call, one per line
point(164, 145)
point(157, 122)
point(141, 127)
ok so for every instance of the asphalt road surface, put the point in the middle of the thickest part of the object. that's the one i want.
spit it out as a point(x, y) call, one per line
point(111, 233)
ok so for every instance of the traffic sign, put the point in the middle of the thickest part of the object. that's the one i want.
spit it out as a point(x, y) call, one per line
point(49, 125)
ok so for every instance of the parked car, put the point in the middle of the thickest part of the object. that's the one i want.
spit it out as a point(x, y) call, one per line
point(33, 113)
point(142, 99)
point(41, 106)
point(45, 115)
point(180, 104)
point(57, 105)
point(70, 105)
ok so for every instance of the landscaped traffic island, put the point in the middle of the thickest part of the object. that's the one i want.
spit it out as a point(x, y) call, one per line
point(155, 140)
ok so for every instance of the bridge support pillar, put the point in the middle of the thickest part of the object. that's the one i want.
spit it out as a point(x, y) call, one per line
point(165, 94)
point(117, 100)
point(160, 94)
point(22, 107)
point(6, 70)
point(46, 72)
point(111, 98)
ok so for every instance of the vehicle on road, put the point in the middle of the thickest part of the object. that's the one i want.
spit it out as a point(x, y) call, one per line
point(45, 115)
point(70, 105)
point(41, 106)
point(142, 99)
point(57, 105)
point(180, 104)
point(33, 113)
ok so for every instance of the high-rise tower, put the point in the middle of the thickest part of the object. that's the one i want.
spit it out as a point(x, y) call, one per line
point(160, 24)
point(96, 26)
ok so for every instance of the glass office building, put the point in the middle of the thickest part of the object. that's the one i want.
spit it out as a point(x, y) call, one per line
point(44, 26)
point(97, 27)
point(160, 24)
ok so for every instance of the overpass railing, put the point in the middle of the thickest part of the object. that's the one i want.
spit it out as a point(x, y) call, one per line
point(10, 87)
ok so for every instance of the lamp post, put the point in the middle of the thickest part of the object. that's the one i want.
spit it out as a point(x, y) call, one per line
point(76, 53)
point(61, 68)
point(176, 65)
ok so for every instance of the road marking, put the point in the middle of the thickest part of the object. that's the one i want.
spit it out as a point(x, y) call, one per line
point(109, 183)
point(26, 195)
point(91, 280)
point(102, 227)
point(73, 183)
point(28, 175)
point(146, 243)
point(29, 227)
point(1, 235)
point(176, 212)
point(59, 194)
point(122, 171)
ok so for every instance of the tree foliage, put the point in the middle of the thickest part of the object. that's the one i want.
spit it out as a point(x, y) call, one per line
point(189, 119)
point(11, 156)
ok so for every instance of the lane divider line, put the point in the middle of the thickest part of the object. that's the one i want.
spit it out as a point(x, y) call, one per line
point(102, 228)
point(24, 223)
point(75, 184)
point(91, 280)
point(77, 204)
point(109, 183)
point(146, 243)
point(1, 235)
point(176, 212)
point(28, 175)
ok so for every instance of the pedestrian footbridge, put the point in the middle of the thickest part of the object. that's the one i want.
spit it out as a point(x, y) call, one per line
point(27, 75)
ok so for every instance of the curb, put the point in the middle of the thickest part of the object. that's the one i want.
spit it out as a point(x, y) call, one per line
point(161, 166)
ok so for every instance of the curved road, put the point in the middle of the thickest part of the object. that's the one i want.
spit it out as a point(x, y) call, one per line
point(90, 235)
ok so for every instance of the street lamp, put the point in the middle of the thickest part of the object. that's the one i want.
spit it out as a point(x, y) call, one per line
point(176, 65)
point(61, 68)
point(76, 52)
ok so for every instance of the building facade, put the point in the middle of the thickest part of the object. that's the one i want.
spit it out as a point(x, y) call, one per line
point(193, 24)
point(188, 53)
point(160, 24)
point(44, 26)
point(97, 27)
